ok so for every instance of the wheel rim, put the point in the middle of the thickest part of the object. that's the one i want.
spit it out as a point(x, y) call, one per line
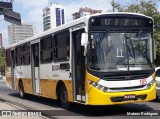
point(21, 90)
point(21, 93)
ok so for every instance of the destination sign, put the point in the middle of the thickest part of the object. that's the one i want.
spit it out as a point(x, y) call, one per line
point(121, 22)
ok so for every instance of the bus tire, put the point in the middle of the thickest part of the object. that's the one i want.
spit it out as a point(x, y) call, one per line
point(157, 98)
point(21, 90)
point(63, 97)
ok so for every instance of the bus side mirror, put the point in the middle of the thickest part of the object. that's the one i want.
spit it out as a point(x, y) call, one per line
point(84, 42)
point(83, 39)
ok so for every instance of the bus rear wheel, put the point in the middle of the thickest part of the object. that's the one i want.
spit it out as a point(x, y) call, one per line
point(21, 90)
point(63, 97)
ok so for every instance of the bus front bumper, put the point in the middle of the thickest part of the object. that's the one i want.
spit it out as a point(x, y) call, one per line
point(97, 97)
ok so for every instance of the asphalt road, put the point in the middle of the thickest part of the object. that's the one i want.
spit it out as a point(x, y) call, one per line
point(78, 111)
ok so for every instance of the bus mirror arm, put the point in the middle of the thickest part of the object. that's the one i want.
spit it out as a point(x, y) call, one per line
point(83, 39)
point(84, 42)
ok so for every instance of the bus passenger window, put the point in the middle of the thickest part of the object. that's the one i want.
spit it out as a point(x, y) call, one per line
point(46, 49)
point(61, 46)
point(19, 55)
point(26, 54)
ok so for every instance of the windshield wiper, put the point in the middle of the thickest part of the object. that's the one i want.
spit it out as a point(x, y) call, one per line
point(131, 50)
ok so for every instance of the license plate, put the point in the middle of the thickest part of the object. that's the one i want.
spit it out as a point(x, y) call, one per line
point(129, 96)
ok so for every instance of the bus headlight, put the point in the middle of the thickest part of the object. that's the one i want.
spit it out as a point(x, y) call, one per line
point(98, 86)
point(94, 84)
point(149, 85)
point(104, 89)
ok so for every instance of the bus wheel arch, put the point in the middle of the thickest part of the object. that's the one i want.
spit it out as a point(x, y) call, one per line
point(21, 89)
point(62, 95)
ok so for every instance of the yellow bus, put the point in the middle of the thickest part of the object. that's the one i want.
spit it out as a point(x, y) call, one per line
point(102, 59)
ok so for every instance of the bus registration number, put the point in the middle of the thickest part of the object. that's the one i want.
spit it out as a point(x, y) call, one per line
point(129, 96)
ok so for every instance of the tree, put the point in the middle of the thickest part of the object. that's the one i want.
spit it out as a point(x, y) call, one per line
point(146, 7)
point(114, 5)
point(2, 60)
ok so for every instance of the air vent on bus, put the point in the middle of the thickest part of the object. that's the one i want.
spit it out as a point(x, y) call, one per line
point(125, 77)
point(130, 88)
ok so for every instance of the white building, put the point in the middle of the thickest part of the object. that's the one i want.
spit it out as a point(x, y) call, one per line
point(84, 12)
point(53, 16)
point(17, 33)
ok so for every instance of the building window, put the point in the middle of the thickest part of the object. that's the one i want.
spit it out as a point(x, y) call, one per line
point(58, 17)
point(63, 16)
point(46, 49)
point(61, 46)
point(26, 54)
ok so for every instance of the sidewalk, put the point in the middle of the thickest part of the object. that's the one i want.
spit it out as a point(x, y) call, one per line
point(6, 108)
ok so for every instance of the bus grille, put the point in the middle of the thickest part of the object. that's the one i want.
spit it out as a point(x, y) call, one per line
point(125, 77)
point(128, 88)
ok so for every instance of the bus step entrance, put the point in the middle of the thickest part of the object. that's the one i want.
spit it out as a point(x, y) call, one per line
point(81, 98)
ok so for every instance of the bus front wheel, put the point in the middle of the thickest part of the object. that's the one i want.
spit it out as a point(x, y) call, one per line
point(157, 98)
point(63, 97)
point(21, 90)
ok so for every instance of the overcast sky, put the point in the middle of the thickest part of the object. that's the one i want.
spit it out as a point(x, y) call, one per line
point(31, 11)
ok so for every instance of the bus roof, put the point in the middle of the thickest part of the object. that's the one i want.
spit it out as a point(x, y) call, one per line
point(70, 24)
point(50, 31)
point(127, 13)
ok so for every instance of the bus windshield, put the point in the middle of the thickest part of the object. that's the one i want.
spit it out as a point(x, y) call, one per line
point(120, 51)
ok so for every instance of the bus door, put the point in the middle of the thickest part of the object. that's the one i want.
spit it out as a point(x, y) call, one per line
point(35, 67)
point(13, 68)
point(78, 66)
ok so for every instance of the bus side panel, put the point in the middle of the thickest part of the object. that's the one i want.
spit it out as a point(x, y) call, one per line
point(17, 84)
point(27, 79)
point(9, 81)
point(47, 82)
point(27, 83)
point(8, 73)
point(8, 77)
point(68, 84)
point(24, 73)
point(48, 88)
point(50, 74)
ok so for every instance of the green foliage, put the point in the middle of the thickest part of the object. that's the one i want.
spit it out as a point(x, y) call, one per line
point(2, 60)
point(146, 7)
point(115, 5)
